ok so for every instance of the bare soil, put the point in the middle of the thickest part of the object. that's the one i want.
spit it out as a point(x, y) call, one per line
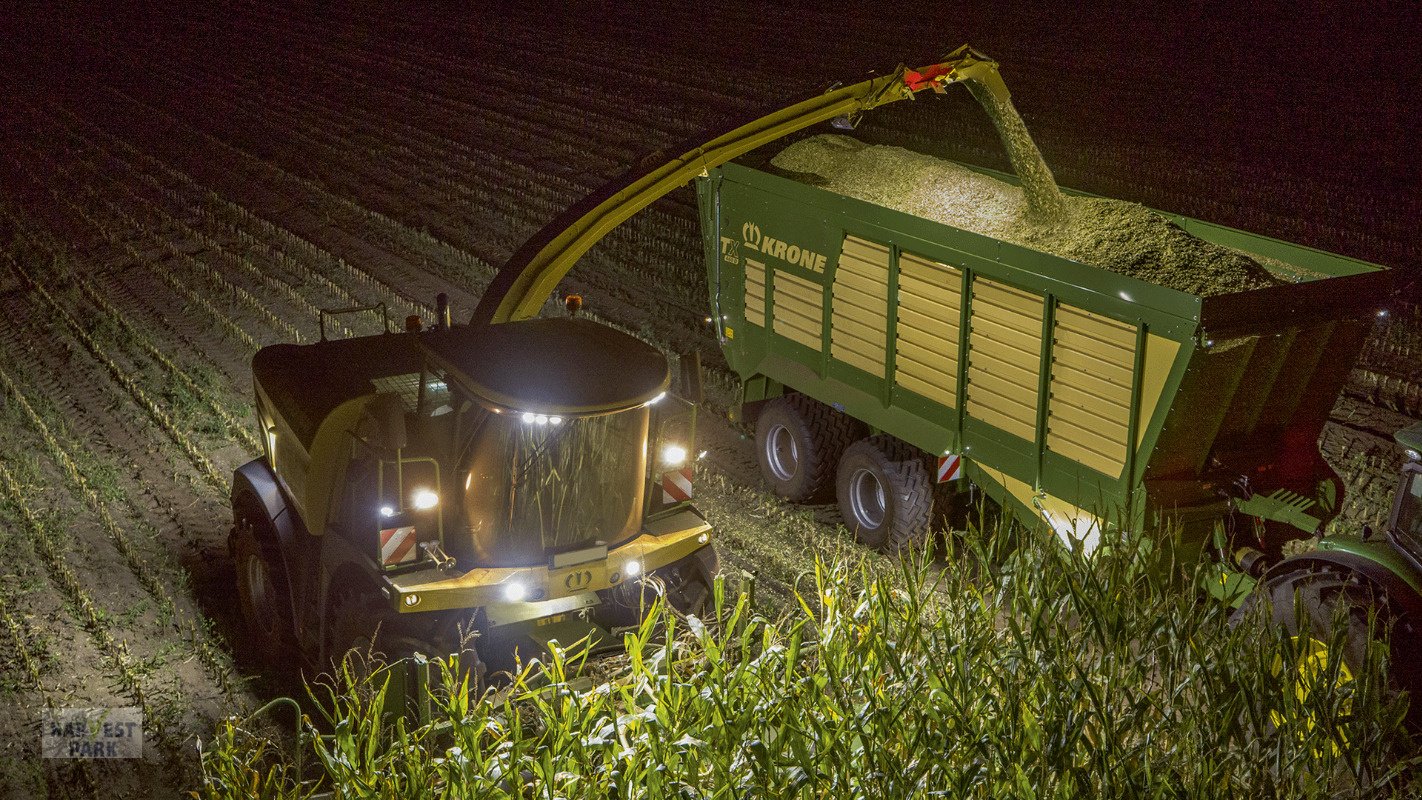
point(180, 185)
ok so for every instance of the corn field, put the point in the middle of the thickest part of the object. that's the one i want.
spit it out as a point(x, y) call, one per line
point(182, 186)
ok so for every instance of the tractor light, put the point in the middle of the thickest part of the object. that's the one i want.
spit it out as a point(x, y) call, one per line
point(387, 511)
point(703, 538)
point(673, 455)
point(632, 569)
point(515, 592)
point(412, 599)
point(425, 499)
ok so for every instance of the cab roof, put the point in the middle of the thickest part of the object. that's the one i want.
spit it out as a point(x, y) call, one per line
point(563, 366)
point(550, 366)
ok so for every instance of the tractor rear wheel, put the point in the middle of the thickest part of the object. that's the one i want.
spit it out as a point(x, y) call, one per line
point(885, 494)
point(798, 442)
point(1306, 604)
point(262, 593)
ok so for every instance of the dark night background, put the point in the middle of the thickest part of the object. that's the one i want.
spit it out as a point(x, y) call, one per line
point(169, 158)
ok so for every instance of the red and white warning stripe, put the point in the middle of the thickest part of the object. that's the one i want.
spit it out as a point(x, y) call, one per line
point(397, 545)
point(950, 468)
point(676, 486)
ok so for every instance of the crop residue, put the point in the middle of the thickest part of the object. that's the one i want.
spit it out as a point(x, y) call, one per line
point(1120, 236)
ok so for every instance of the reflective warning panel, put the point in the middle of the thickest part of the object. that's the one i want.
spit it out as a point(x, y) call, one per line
point(397, 545)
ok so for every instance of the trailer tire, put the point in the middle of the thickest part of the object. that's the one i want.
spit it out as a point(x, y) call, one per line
point(798, 443)
point(1322, 593)
point(262, 594)
point(885, 494)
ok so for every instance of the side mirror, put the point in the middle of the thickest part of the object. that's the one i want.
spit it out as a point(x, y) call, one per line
point(387, 412)
point(689, 381)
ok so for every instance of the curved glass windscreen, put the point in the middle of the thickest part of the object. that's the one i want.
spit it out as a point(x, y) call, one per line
point(536, 485)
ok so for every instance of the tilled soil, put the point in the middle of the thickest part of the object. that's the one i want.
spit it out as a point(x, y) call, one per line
point(191, 184)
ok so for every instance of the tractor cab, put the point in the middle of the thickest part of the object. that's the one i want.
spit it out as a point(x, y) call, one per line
point(1405, 525)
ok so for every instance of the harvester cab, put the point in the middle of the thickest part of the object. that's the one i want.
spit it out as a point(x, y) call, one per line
point(527, 480)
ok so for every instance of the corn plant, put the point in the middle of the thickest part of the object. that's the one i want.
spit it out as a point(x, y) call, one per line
point(1010, 667)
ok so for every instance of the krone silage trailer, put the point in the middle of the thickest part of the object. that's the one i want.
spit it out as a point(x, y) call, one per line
point(895, 357)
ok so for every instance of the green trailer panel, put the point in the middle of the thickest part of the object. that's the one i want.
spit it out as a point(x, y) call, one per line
point(1066, 387)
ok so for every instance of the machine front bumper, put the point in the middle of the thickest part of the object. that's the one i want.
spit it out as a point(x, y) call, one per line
point(525, 593)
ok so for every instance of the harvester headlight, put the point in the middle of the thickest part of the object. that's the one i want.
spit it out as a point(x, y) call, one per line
point(703, 538)
point(673, 455)
point(1414, 455)
point(541, 419)
point(633, 568)
point(387, 511)
point(412, 599)
point(555, 420)
point(529, 417)
point(425, 499)
point(515, 592)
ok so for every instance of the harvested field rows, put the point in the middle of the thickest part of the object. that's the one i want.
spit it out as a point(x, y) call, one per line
point(184, 186)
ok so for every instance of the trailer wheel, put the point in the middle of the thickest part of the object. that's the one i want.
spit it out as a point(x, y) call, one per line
point(885, 495)
point(1305, 605)
point(798, 442)
point(262, 592)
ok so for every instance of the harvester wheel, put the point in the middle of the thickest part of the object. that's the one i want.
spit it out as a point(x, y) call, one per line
point(1306, 603)
point(262, 591)
point(885, 494)
point(798, 443)
point(358, 622)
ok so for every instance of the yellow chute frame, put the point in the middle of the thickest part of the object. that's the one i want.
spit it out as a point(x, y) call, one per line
point(530, 276)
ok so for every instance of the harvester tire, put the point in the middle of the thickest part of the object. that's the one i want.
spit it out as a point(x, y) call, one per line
point(357, 621)
point(885, 494)
point(1304, 604)
point(798, 442)
point(262, 593)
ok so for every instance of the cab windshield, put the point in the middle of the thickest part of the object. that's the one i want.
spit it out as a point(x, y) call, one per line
point(538, 484)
